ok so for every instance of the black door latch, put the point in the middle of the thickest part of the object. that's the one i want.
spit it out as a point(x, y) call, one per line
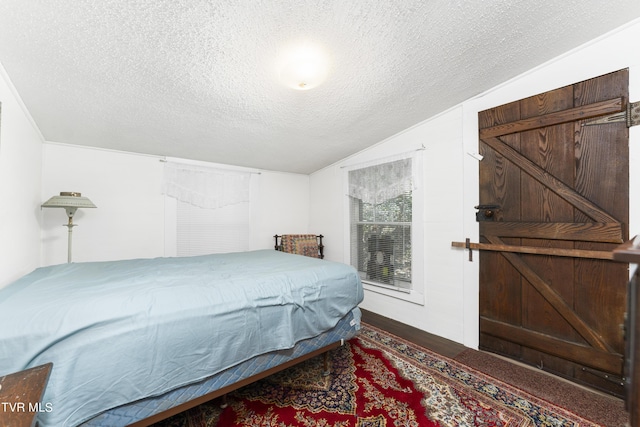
point(486, 212)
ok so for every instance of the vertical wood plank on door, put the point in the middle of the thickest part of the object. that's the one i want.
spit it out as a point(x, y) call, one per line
point(556, 174)
point(500, 290)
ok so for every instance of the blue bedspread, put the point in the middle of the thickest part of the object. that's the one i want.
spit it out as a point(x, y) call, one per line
point(125, 330)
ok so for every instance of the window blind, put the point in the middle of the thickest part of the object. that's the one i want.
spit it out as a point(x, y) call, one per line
point(380, 202)
point(203, 231)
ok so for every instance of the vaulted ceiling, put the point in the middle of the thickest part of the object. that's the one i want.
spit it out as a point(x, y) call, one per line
point(198, 79)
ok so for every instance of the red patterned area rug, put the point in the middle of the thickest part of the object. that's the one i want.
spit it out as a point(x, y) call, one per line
point(377, 380)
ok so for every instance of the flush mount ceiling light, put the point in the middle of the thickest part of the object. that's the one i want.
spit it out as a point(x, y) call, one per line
point(303, 66)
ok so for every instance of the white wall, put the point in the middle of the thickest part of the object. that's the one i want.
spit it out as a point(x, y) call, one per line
point(283, 207)
point(438, 309)
point(129, 221)
point(20, 179)
point(450, 306)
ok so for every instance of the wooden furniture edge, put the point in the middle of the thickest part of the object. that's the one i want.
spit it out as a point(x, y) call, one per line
point(24, 389)
point(628, 252)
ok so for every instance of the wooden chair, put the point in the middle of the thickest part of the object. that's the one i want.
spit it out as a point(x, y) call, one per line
point(302, 244)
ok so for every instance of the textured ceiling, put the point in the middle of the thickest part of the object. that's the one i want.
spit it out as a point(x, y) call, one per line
point(196, 78)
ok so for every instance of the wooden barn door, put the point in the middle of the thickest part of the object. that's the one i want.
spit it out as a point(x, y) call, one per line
point(554, 180)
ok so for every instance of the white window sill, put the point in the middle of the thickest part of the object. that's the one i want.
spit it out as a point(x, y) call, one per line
point(407, 295)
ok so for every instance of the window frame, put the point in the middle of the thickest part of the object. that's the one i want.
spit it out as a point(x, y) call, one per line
point(416, 293)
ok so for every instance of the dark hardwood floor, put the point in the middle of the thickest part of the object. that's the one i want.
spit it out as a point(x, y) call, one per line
point(434, 343)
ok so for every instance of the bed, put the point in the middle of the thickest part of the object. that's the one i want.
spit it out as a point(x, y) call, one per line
point(134, 341)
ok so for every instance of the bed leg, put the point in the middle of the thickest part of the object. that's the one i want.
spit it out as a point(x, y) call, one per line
point(325, 360)
point(224, 403)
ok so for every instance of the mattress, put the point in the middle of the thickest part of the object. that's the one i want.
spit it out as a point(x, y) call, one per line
point(122, 331)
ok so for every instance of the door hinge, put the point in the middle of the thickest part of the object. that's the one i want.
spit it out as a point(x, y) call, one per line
point(631, 116)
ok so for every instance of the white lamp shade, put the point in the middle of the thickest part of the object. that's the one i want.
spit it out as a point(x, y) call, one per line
point(70, 201)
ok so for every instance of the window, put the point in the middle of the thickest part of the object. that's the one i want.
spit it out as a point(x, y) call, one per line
point(207, 210)
point(381, 223)
point(202, 231)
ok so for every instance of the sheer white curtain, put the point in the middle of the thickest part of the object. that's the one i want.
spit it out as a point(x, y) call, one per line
point(204, 187)
point(381, 182)
point(213, 209)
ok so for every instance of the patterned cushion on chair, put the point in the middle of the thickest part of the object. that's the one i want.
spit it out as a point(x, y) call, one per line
point(301, 244)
